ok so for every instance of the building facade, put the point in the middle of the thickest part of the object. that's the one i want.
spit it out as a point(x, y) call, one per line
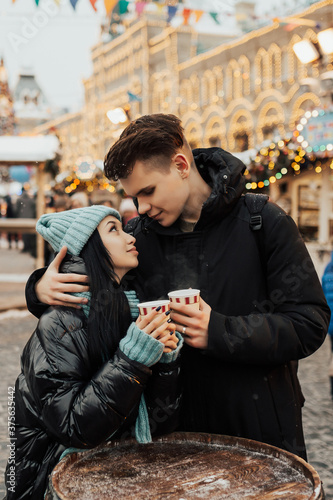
point(235, 94)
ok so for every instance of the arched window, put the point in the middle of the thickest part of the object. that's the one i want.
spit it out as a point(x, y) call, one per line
point(244, 66)
point(261, 65)
point(215, 133)
point(306, 102)
point(195, 88)
point(274, 65)
point(234, 82)
point(240, 131)
point(186, 96)
point(208, 87)
point(193, 132)
point(160, 94)
point(270, 121)
point(217, 70)
point(295, 67)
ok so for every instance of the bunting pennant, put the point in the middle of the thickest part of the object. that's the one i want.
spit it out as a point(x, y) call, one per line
point(133, 97)
point(296, 21)
point(290, 27)
point(198, 15)
point(123, 7)
point(214, 16)
point(110, 5)
point(73, 3)
point(172, 10)
point(288, 23)
point(139, 7)
point(186, 16)
point(160, 8)
point(93, 2)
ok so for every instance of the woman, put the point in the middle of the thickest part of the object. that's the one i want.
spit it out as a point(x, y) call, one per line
point(84, 371)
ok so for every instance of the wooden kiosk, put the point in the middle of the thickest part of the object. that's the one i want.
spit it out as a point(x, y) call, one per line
point(32, 151)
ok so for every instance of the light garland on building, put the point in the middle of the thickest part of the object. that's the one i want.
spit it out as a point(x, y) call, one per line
point(276, 160)
point(84, 177)
point(298, 133)
point(295, 154)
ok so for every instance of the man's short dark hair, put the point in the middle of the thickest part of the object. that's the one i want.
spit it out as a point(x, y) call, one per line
point(152, 137)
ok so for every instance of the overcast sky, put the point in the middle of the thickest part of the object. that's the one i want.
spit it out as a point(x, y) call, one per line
point(55, 41)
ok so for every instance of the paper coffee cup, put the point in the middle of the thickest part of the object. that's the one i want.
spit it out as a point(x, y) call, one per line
point(190, 296)
point(146, 307)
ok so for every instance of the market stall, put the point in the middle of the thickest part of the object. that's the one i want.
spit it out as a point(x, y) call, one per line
point(29, 151)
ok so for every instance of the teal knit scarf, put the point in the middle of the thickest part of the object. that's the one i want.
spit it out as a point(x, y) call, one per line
point(142, 428)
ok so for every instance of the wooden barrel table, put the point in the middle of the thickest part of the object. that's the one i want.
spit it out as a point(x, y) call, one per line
point(185, 466)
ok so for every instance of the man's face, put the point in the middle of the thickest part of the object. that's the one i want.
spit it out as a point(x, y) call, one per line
point(162, 195)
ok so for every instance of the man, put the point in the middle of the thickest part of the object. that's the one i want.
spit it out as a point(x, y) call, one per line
point(262, 305)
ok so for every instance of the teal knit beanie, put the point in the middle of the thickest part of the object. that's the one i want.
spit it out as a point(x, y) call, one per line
point(72, 228)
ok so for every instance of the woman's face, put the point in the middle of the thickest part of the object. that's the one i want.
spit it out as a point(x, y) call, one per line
point(119, 244)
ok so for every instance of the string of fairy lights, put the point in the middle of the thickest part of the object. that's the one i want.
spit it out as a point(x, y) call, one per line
point(273, 161)
point(293, 155)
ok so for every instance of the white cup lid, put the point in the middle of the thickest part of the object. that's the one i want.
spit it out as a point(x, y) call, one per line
point(153, 303)
point(190, 292)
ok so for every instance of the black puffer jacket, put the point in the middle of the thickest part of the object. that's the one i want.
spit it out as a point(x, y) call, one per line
point(268, 308)
point(60, 403)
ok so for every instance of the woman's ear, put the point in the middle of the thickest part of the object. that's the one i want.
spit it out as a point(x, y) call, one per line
point(182, 165)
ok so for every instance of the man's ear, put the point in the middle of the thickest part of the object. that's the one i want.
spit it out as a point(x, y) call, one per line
point(182, 165)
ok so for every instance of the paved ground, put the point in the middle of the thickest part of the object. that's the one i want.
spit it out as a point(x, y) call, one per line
point(15, 268)
point(17, 325)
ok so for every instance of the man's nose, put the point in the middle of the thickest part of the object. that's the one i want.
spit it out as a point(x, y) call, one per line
point(143, 207)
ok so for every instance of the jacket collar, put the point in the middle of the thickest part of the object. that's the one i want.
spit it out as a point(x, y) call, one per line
point(224, 173)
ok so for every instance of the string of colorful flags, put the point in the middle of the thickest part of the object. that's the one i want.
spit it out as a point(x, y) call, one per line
point(172, 7)
point(120, 7)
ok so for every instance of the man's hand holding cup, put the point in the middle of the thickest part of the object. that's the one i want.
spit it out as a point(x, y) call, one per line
point(191, 315)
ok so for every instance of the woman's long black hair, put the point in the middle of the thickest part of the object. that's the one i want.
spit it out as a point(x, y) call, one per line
point(109, 315)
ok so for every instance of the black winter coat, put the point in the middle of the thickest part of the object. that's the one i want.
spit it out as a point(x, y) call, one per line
point(268, 309)
point(60, 402)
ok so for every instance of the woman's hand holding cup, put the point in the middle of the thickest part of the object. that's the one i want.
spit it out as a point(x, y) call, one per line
point(155, 321)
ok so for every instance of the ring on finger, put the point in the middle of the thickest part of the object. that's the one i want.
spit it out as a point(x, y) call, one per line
point(184, 330)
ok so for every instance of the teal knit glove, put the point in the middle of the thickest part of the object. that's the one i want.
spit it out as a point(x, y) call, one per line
point(141, 347)
point(168, 357)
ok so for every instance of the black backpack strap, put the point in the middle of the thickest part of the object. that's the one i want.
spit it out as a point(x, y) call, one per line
point(255, 203)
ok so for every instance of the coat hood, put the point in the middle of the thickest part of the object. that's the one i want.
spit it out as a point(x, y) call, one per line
point(224, 173)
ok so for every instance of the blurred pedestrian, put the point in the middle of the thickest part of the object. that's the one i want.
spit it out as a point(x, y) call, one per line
point(78, 200)
point(60, 204)
point(106, 203)
point(127, 210)
point(94, 374)
point(26, 209)
point(12, 238)
point(327, 282)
